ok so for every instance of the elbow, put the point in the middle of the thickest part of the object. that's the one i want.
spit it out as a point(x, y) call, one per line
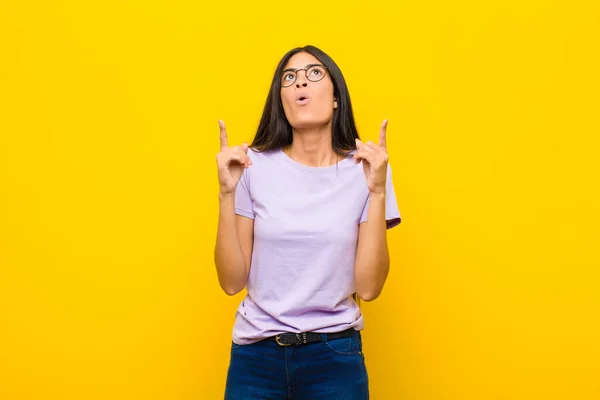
point(369, 296)
point(231, 291)
point(369, 292)
point(370, 288)
point(231, 287)
point(231, 280)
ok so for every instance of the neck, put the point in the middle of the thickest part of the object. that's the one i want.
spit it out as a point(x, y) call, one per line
point(312, 147)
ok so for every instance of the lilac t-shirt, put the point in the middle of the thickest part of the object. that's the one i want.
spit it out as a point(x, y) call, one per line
point(306, 222)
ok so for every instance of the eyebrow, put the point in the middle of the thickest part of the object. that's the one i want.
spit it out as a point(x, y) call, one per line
point(296, 69)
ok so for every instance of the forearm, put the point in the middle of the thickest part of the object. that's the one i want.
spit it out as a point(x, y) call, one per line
point(229, 257)
point(372, 256)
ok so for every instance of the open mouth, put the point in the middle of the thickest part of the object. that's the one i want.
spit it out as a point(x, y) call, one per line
point(302, 100)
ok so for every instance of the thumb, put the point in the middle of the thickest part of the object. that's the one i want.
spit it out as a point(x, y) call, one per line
point(245, 147)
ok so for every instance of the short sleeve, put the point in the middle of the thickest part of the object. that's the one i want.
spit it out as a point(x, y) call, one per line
point(392, 214)
point(243, 200)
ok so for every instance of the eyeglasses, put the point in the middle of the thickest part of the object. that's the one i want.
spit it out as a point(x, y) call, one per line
point(314, 73)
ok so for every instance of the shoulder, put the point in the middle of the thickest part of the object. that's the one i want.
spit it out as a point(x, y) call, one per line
point(256, 155)
point(263, 162)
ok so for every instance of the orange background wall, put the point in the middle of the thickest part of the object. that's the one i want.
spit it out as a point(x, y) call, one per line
point(108, 202)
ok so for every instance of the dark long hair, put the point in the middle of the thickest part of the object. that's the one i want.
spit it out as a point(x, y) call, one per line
point(274, 130)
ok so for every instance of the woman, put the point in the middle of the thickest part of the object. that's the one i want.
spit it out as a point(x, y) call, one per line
point(302, 225)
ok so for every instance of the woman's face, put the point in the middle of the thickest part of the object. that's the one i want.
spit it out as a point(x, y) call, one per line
point(308, 103)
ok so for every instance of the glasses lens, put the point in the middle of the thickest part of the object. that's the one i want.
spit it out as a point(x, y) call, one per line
point(315, 73)
point(288, 78)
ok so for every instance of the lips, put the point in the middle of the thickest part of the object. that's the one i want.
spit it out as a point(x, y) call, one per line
point(302, 99)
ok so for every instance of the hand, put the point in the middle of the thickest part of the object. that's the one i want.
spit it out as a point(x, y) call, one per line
point(231, 162)
point(375, 159)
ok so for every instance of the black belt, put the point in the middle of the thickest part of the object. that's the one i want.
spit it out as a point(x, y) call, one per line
point(294, 339)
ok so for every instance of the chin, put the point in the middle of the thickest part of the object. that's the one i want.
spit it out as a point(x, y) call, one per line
point(308, 121)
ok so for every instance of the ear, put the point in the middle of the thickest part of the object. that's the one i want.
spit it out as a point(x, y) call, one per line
point(335, 105)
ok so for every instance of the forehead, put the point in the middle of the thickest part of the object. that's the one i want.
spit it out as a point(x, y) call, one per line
point(301, 60)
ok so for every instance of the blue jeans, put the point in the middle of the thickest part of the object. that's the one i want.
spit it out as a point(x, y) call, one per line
point(332, 370)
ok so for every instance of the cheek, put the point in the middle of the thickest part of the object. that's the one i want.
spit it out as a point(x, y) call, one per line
point(286, 102)
point(287, 98)
point(326, 95)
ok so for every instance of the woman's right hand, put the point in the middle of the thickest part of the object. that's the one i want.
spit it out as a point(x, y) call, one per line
point(231, 162)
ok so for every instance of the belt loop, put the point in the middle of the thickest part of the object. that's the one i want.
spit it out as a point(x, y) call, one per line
point(324, 337)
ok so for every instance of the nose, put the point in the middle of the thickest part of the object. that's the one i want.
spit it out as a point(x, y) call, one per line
point(301, 80)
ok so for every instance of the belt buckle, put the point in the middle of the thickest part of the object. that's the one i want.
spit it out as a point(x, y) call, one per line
point(300, 339)
point(281, 344)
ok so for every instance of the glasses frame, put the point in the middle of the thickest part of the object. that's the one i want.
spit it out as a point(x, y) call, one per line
point(305, 69)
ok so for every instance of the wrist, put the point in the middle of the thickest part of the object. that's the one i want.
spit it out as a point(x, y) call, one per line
point(226, 195)
point(377, 192)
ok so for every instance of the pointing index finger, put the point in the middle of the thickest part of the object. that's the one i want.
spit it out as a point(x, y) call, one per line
point(382, 134)
point(223, 135)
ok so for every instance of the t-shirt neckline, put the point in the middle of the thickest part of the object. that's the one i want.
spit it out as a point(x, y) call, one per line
point(287, 159)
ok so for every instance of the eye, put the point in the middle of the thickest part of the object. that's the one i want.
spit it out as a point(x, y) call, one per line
point(289, 76)
point(315, 71)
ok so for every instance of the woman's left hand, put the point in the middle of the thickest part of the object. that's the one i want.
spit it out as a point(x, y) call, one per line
point(375, 160)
